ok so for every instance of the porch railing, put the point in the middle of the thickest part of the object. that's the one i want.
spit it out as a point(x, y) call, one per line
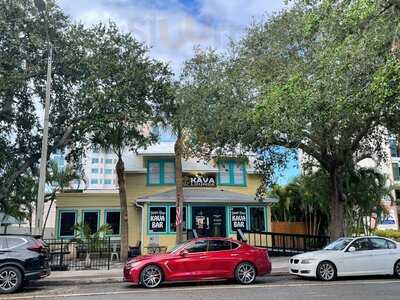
point(67, 254)
point(284, 244)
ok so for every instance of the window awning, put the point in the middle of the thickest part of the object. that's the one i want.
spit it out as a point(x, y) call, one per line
point(206, 195)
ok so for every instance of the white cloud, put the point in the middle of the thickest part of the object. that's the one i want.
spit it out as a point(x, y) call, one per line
point(238, 13)
point(168, 27)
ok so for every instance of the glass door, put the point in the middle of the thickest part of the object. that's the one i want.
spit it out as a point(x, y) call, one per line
point(209, 221)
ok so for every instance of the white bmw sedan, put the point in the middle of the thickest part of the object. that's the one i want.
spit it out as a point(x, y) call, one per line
point(349, 257)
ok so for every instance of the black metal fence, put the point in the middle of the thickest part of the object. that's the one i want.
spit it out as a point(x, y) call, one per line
point(81, 254)
point(284, 244)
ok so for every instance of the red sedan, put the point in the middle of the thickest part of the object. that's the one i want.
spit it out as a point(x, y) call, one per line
point(200, 259)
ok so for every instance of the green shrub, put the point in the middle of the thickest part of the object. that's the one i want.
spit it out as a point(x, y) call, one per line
point(390, 233)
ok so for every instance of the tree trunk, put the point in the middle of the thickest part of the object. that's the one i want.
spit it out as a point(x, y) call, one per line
point(120, 169)
point(179, 188)
point(30, 220)
point(337, 220)
point(47, 217)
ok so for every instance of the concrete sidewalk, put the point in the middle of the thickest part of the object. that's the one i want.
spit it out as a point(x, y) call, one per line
point(279, 268)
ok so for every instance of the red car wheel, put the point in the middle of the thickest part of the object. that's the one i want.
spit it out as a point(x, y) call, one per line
point(151, 276)
point(245, 273)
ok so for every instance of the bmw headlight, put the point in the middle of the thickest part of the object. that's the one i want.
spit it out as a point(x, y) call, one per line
point(307, 261)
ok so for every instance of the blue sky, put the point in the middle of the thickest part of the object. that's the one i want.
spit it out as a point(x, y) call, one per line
point(286, 175)
point(172, 28)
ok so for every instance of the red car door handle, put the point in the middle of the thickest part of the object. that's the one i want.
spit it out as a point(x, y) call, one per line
point(234, 254)
point(202, 257)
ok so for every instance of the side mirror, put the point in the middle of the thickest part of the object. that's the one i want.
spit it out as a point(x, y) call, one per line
point(184, 253)
point(351, 249)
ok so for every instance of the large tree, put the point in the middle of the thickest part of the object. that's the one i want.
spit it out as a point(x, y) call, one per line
point(320, 85)
point(23, 62)
point(122, 93)
point(300, 81)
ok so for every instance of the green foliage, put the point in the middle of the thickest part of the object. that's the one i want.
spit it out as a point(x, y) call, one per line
point(306, 199)
point(365, 189)
point(93, 240)
point(317, 96)
point(58, 179)
point(122, 89)
point(320, 76)
point(84, 233)
point(219, 98)
point(389, 233)
point(23, 63)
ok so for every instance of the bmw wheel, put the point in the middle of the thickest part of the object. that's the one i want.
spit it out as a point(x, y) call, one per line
point(10, 279)
point(397, 269)
point(151, 276)
point(326, 271)
point(245, 273)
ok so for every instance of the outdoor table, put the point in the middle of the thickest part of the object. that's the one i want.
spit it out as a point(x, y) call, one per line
point(155, 249)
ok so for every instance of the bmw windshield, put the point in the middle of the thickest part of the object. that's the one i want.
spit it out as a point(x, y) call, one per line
point(338, 245)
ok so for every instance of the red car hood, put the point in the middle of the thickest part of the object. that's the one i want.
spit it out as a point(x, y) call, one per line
point(151, 256)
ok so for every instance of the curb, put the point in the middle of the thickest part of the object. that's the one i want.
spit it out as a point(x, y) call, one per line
point(89, 280)
point(78, 281)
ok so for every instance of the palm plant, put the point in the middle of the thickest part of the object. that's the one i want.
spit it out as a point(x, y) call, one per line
point(58, 179)
point(365, 189)
point(89, 240)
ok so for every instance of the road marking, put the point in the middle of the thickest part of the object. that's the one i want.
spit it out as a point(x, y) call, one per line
point(191, 289)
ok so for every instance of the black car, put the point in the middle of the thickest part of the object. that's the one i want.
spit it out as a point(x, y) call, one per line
point(22, 258)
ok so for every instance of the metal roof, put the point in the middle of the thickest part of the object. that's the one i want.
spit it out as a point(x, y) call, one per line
point(205, 195)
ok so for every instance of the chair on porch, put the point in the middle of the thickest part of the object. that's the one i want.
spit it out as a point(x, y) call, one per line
point(114, 251)
point(134, 250)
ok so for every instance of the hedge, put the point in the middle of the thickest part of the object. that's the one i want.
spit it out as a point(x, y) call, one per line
point(390, 233)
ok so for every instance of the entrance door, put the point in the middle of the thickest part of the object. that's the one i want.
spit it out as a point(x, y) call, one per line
point(209, 221)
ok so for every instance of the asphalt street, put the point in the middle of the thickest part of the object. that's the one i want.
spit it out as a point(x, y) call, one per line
point(276, 287)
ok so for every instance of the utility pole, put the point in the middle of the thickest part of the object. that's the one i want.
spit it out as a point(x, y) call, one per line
point(41, 6)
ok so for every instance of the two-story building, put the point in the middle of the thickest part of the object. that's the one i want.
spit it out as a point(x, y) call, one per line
point(218, 199)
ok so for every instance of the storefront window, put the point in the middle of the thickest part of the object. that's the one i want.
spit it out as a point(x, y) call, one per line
point(160, 172)
point(91, 219)
point(232, 173)
point(257, 220)
point(67, 223)
point(238, 218)
point(113, 218)
point(157, 219)
point(172, 219)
